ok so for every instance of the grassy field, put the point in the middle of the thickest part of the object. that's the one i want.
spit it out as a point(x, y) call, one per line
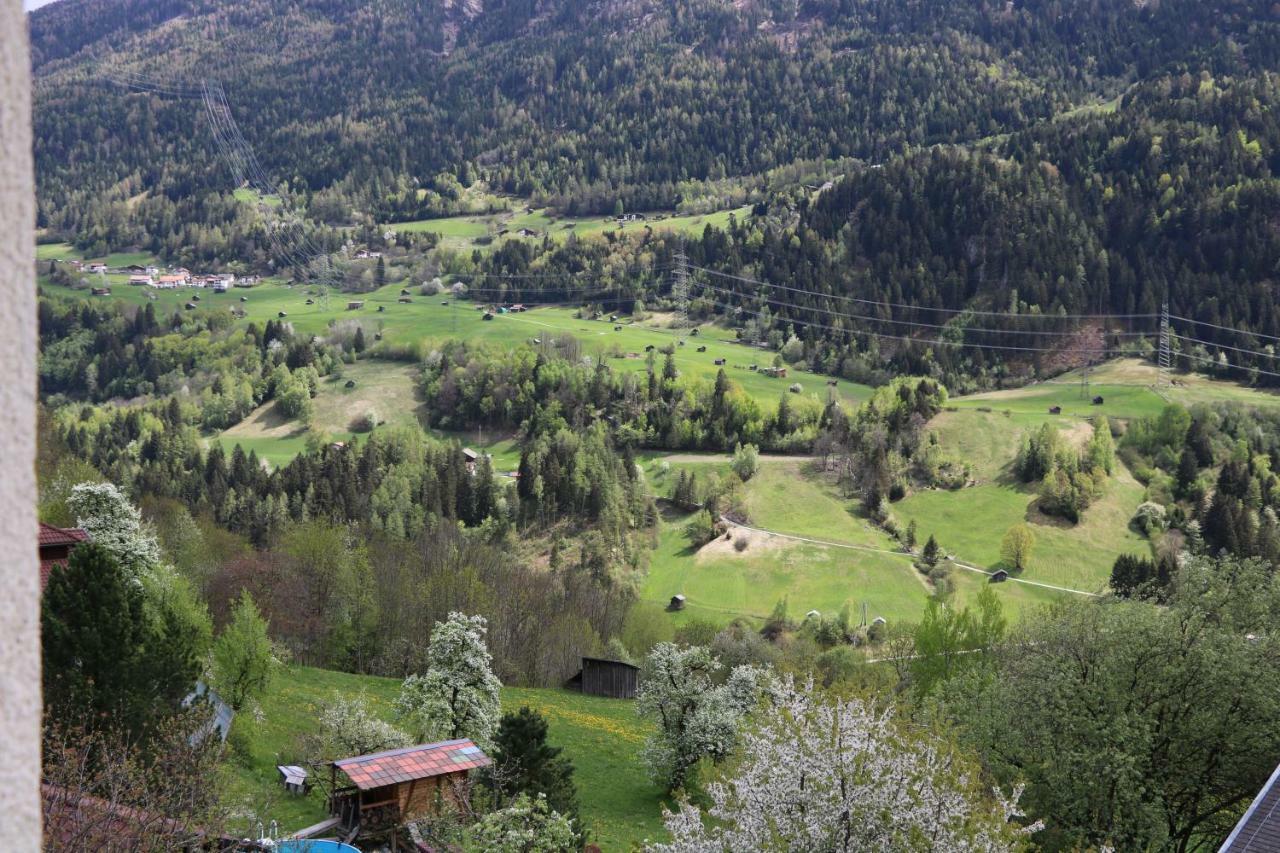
point(721, 583)
point(386, 388)
point(601, 736)
point(426, 320)
point(481, 230)
point(67, 252)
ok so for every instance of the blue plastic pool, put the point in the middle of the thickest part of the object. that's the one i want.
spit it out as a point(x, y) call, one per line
point(304, 846)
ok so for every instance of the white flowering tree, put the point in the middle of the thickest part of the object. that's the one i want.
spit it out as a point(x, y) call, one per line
point(526, 826)
point(830, 774)
point(458, 697)
point(102, 511)
point(696, 717)
point(348, 728)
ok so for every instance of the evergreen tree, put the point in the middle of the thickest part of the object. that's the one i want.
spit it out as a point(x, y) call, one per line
point(524, 763)
point(932, 552)
point(104, 657)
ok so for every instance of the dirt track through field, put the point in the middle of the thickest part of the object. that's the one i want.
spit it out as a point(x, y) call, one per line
point(957, 563)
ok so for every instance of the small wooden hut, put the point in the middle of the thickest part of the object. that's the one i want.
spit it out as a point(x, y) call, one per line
point(392, 788)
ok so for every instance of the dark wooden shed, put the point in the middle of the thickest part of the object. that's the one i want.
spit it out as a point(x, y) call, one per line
point(613, 678)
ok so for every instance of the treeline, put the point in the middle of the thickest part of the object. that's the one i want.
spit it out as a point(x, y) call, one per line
point(534, 390)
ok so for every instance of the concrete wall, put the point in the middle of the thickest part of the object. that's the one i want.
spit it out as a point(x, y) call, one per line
point(19, 572)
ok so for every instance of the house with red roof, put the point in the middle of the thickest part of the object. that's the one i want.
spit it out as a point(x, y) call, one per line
point(389, 789)
point(55, 547)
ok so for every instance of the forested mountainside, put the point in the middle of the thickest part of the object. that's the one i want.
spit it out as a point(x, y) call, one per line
point(585, 103)
point(1063, 157)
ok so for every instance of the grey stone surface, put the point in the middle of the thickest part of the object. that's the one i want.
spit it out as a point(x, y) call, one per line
point(19, 572)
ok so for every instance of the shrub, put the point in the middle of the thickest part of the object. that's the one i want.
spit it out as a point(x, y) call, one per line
point(1150, 517)
point(746, 461)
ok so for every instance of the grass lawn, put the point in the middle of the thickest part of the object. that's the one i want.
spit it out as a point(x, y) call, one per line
point(971, 522)
point(601, 736)
point(721, 583)
point(1119, 401)
point(253, 197)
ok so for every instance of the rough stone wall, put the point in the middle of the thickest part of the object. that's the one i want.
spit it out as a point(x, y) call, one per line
point(19, 572)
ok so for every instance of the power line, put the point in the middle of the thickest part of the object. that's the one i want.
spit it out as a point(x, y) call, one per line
point(929, 341)
point(1269, 355)
point(1229, 365)
point(975, 312)
point(1224, 328)
point(873, 319)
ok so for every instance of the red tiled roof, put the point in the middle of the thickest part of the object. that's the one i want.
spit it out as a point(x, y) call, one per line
point(51, 536)
point(411, 763)
point(52, 542)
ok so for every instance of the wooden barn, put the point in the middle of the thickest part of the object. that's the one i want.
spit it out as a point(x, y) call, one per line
point(392, 788)
point(613, 678)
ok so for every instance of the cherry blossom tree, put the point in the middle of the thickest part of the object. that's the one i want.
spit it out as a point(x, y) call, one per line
point(829, 774)
point(528, 825)
point(696, 718)
point(347, 728)
point(105, 513)
point(459, 694)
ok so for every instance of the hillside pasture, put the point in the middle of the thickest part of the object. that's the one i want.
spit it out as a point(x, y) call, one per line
point(481, 231)
point(600, 736)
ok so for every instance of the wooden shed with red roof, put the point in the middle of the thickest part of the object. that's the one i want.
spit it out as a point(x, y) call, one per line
point(389, 789)
point(55, 547)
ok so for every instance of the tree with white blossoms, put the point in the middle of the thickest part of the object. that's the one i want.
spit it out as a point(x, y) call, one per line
point(832, 774)
point(458, 697)
point(348, 728)
point(526, 826)
point(696, 718)
point(102, 511)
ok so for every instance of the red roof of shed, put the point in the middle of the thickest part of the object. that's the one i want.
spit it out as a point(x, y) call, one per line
point(411, 763)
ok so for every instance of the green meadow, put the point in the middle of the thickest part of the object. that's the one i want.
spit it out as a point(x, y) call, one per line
point(472, 231)
point(601, 736)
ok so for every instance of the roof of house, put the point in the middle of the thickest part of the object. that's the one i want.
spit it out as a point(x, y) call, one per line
point(1259, 830)
point(51, 536)
point(56, 537)
point(411, 763)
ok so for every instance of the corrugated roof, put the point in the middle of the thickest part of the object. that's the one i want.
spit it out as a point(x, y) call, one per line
point(411, 763)
point(1259, 830)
